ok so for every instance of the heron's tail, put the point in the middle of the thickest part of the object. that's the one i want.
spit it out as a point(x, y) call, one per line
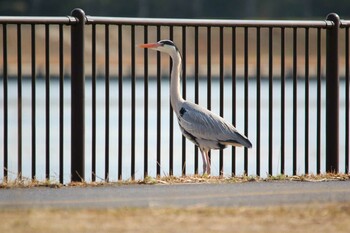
point(239, 140)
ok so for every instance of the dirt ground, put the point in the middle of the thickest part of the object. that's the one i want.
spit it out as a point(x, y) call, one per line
point(331, 217)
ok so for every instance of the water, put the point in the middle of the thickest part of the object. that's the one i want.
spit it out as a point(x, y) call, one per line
point(126, 140)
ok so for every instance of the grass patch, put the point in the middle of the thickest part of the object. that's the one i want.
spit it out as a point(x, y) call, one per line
point(299, 218)
point(241, 179)
point(29, 183)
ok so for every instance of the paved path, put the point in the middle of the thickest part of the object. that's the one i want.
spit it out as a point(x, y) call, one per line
point(178, 195)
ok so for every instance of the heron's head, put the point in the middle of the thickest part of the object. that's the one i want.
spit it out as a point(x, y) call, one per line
point(166, 46)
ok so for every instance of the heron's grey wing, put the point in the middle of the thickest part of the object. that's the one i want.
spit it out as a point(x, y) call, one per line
point(203, 124)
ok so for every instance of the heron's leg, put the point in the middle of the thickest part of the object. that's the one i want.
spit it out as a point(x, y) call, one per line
point(204, 161)
point(208, 162)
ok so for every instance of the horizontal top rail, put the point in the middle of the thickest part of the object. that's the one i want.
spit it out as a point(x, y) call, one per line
point(344, 23)
point(69, 20)
point(208, 22)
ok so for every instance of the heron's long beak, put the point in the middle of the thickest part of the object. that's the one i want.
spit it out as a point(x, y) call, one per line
point(149, 46)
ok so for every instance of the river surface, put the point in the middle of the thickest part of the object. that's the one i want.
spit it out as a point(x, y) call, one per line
point(152, 123)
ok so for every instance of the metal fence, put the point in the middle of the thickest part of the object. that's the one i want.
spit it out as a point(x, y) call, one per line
point(286, 81)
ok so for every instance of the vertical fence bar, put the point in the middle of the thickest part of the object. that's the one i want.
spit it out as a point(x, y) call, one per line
point(93, 107)
point(78, 97)
point(19, 99)
point(295, 76)
point(61, 103)
point(347, 95)
point(5, 95)
point(332, 95)
point(107, 84)
point(318, 127)
point(47, 100)
point(246, 95)
point(159, 82)
point(306, 101)
point(33, 78)
point(209, 76)
point(209, 67)
point(283, 95)
point(258, 98)
point(196, 89)
point(145, 142)
point(233, 91)
point(270, 166)
point(171, 114)
point(184, 96)
point(120, 101)
point(133, 106)
point(221, 73)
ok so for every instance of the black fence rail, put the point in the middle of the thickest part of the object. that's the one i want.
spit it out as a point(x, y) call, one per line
point(285, 84)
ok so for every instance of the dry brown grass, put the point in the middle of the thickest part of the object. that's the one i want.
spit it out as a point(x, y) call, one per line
point(29, 183)
point(302, 218)
point(240, 179)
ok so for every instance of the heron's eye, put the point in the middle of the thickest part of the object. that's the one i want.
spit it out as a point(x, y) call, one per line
point(167, 42)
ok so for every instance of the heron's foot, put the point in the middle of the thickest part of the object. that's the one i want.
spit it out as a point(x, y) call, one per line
point(208, 169)
point(204, 168)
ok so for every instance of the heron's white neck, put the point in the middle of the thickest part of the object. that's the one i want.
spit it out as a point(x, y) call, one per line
point(175, 96)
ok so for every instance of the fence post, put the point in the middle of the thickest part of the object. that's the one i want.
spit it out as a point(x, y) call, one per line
point(78, 97)
point(332, 95)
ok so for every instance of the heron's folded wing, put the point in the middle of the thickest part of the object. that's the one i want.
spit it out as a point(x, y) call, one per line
point(204, 124)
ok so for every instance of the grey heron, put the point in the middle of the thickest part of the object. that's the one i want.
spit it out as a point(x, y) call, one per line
point(201, 126)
